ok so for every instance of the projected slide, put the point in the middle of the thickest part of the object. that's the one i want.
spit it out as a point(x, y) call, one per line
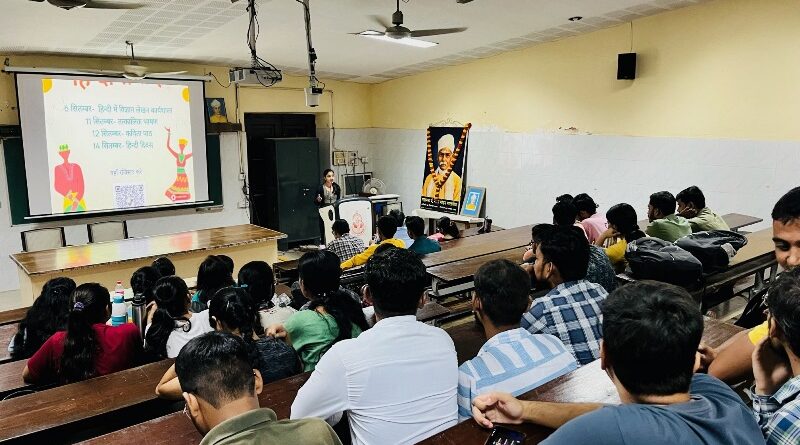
point(117, 144)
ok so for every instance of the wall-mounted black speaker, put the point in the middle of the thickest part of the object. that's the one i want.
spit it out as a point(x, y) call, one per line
point(626, 66)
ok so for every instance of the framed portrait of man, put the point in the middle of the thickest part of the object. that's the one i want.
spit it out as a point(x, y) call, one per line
point(215, 110)
point(445, 168)
point(473, 201)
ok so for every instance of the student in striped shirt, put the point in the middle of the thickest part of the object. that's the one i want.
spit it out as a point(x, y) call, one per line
point(512, 360)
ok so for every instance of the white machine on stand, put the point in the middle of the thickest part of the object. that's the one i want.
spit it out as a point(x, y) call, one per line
point(359, 213)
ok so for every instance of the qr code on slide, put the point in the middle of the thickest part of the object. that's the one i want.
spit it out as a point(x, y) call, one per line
point(128, 195)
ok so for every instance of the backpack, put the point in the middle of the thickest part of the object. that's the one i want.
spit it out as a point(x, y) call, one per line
point(656, 259)
point(713, 248)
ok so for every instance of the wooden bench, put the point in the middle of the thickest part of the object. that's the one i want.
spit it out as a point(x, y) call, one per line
point(587, 384)
point(465, 248)
point(79, 410)
point(11, 378)
point(7, 332)
point(13, 316)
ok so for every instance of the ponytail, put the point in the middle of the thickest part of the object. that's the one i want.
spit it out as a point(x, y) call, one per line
point(91, 304)
point(320, 272)
point(46, 316)
point(172, 301)
point(235, 310)
point(259, 281)
point(344, 309)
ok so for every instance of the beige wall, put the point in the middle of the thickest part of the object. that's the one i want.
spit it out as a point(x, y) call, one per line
point(723, 69)
point(352, 105)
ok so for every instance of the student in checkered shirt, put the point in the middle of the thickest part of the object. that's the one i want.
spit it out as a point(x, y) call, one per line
point(344, 245)
point(776, 364)
point(571, 310)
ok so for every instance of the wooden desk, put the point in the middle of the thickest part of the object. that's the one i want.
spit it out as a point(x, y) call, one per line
point(108, 262)
point(487, 243)
point(68, 412)
point(11, 377)
point(586, 384)
point(7, 332)
point(13, 316)
point(176, 428)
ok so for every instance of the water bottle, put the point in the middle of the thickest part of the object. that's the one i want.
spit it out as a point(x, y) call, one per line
point(119, 313)
point(138, 312)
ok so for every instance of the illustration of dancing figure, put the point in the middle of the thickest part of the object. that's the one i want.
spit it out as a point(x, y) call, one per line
point(179, 190)
point(69, 182)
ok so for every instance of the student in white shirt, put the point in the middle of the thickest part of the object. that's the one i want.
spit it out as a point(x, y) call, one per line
point(170, 323)
point(397, 380)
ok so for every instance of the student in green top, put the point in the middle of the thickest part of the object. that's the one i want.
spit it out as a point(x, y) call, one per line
point(664, 223)
point(333, 314)
point(692, 206)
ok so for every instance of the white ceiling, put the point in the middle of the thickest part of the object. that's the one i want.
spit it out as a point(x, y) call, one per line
point(214, 31)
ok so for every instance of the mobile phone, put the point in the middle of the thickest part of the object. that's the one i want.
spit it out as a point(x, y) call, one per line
point(505, 436)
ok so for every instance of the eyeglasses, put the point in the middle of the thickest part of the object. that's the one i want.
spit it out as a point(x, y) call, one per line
point(186, 411)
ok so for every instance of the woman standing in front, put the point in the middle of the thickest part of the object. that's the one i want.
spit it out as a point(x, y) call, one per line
point(328, 192)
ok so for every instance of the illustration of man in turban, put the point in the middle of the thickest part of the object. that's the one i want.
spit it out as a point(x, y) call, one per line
point(444, 183)
point(217, 116)
point(69, 182)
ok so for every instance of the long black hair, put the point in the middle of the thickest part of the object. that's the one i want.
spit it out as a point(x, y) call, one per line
point(172, 302)
point(447, 227)
point(623, 218)
point(46, 316)
point(143, 281)
point(235, 310)
point(319, 275)
point(259, 281)
point(91, 303)
point(214, 274)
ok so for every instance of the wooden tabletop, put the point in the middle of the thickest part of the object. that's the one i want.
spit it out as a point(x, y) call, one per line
point(7, 332)
point(69, 404)
point(465, 269)
point(11, 377)
point(13, 316)
point(487, 243)
point(759, 245)
point(113, 252)
point(587, 384)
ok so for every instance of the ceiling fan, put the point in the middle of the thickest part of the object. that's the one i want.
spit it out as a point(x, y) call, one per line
point(133, 70)
point(398, 31)
point(92, 4)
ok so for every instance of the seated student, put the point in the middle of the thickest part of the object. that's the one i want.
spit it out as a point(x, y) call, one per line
point(221, 390)
point(664, 223)
point(213, 274)
point(233, 311)
point(732, 362)
point(571, 310)
point(692, 206)
point(776, 364)
point(164, 266)
point(512, 360)
point(599, 271)
point(402, 231)
point(397, 381)
point(622, 224)
point(143, 281)
point(344, 245)
point(46, 316)
point(446, 230)
point(257, 279)
point(170, 324)
point(592, 222)
point(422, 245)
point(387, 226)
point(332, 316)
point(651, 334)
point(89, 347)
point(565, 214)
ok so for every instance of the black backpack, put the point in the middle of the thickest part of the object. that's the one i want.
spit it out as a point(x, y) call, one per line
point(656, 259)
point(713, 248)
